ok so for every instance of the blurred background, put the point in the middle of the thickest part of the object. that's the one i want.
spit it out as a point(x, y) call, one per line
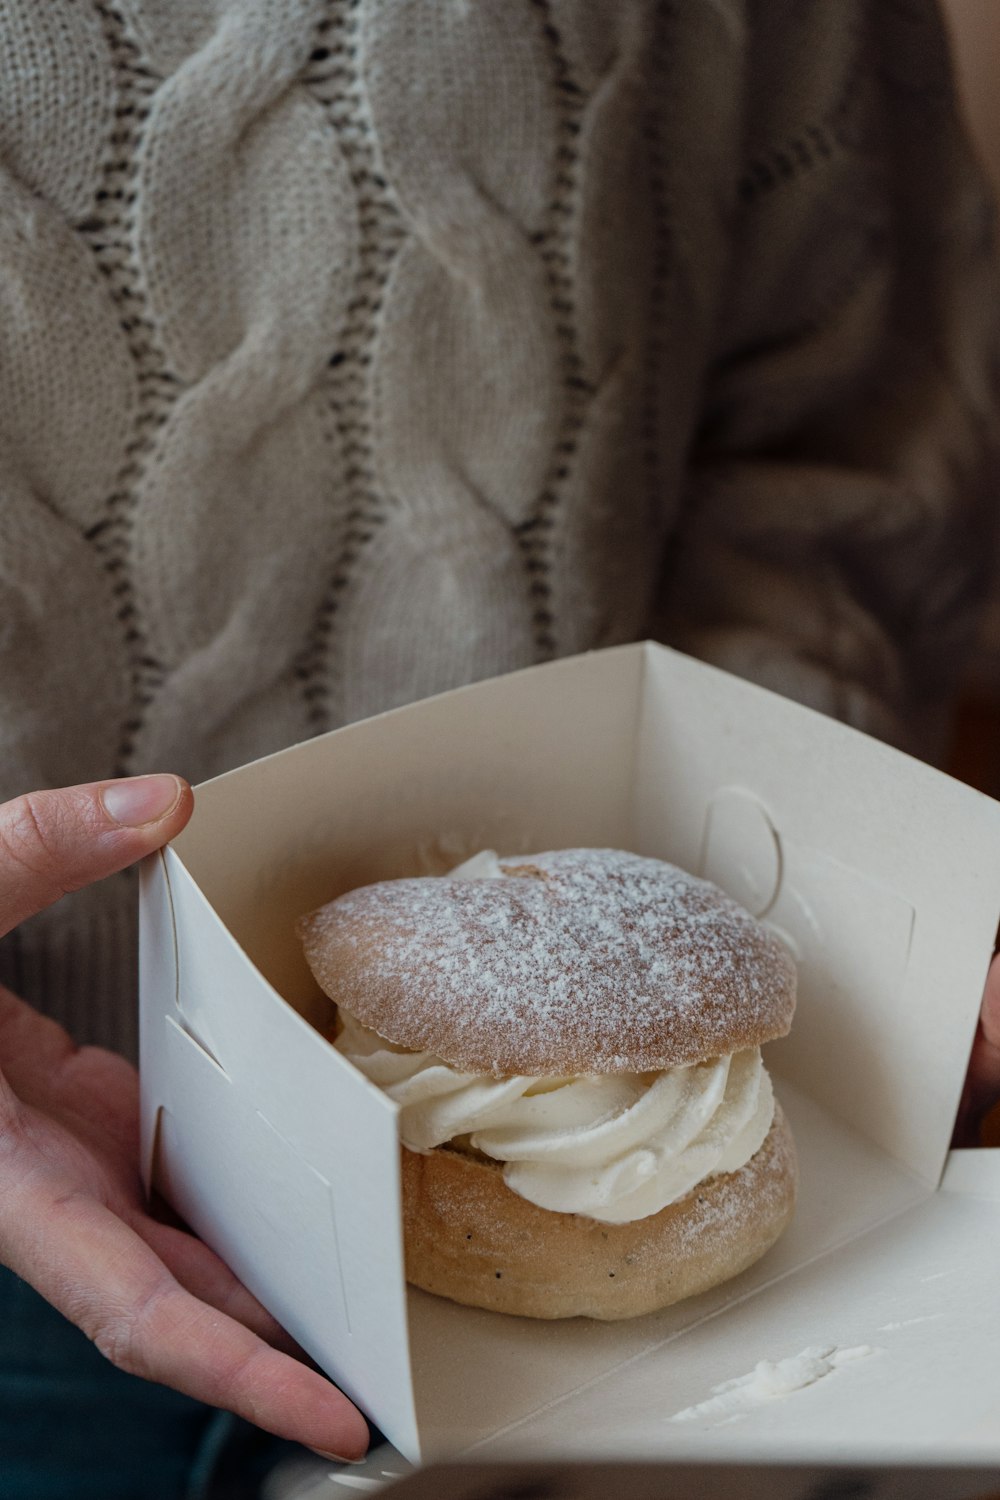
point(974, 757)
point(975, 30)
point(975, 36)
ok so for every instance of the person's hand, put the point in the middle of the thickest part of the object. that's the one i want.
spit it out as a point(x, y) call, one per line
point(982, 1082)
point(73, 1222)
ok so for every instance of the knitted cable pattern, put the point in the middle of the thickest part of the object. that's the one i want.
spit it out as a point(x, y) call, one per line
point(354, 349)
point(344, 410)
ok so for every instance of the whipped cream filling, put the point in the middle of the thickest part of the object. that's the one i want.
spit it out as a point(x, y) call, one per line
point(615, 1147)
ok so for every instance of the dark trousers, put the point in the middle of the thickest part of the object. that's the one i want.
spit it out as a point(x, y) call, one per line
point(72, 1427)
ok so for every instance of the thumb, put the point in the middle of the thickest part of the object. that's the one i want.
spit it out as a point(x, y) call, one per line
point(57, 841)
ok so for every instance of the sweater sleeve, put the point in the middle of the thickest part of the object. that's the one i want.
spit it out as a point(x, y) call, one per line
point(837, 524)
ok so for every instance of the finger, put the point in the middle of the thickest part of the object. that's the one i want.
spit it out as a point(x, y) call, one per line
point(982, 1081)
point(30, 1044)
point(984, 1064)
point(45, 1067)
point(981, 1091)
point(199, 1271)
point(990, 1013)
point(107, 1280)
point(57, 841)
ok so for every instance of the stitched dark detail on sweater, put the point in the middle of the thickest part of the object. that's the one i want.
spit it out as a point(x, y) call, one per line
point(333, 77)
point(663, 249)
point(109, 232)
point(838, 132)
point(554, 242)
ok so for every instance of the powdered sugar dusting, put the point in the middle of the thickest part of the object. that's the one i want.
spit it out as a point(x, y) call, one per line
point(771, 1379)
point(573, 961)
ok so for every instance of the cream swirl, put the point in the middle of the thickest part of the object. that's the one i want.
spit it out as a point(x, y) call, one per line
point(615, 1147)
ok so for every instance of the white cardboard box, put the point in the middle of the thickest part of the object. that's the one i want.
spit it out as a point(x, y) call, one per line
point(883, 875)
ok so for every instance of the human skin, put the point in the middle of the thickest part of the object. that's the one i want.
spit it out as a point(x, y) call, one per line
point(982, 1082)
point(74, 1222)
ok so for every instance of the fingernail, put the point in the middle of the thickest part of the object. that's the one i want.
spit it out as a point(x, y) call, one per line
point(337, 1458)
point(140, 799)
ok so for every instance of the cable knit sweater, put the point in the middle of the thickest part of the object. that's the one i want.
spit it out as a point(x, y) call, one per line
point(354, 349)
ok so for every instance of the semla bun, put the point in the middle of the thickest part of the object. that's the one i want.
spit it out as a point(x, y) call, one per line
point(587, 964)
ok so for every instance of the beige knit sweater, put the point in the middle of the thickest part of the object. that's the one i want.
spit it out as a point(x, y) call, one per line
point(353, 349)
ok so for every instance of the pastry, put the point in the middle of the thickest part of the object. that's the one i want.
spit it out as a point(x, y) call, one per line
point(573, 1039)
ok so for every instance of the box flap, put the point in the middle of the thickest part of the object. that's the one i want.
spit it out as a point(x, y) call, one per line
point(882, 873)
point(275, 1150)
point(542, 755)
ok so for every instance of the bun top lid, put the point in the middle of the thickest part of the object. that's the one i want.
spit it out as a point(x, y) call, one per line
point(579, 961)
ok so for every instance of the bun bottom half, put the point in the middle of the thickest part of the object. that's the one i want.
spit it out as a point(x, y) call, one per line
point(470, 1238)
